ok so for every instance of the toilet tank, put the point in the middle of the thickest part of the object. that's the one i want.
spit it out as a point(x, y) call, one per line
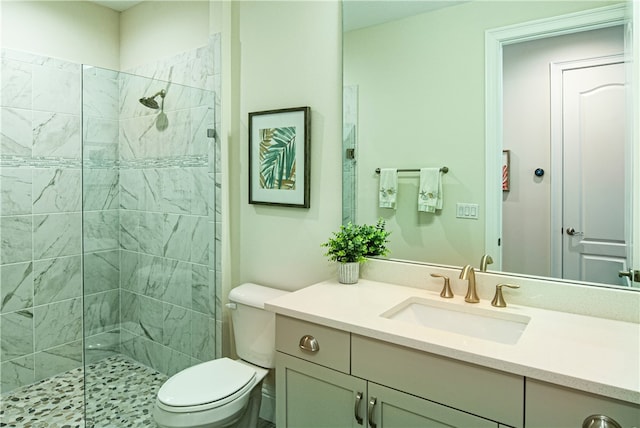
point(254, 328)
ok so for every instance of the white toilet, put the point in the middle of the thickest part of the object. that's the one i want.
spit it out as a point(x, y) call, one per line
point(224, 392)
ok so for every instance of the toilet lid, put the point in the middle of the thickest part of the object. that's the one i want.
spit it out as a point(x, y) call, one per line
point(205, 383)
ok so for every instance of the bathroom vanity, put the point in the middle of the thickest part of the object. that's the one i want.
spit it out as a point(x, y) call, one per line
point(363, 355)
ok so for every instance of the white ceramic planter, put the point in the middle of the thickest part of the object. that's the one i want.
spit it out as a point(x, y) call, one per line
point(348, 273)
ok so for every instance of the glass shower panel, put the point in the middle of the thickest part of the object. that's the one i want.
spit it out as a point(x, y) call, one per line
point(40, 255)
point(148, 238)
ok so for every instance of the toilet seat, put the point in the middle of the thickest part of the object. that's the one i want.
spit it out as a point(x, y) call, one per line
point(206, 386)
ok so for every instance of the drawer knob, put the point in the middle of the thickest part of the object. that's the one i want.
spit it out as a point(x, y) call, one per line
point(309, 343)
point(600, 421)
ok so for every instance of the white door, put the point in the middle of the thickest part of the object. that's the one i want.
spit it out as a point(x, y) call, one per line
point(595, 191)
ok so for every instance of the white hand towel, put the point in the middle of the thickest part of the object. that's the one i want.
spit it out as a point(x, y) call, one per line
point(388, 187)
point(430, 193)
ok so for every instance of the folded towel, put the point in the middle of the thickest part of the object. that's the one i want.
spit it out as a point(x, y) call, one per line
point(430, 193)
point(388, 187)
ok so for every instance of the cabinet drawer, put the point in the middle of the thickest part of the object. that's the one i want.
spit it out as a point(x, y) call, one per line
point(488, 393)
point(334, 346)
point(556, 406)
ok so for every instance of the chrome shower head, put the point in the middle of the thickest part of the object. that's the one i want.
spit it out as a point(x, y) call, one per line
point(151, 101)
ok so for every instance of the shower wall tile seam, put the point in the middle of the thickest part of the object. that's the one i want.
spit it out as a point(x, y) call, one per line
point(155, 299)
point(166, 258)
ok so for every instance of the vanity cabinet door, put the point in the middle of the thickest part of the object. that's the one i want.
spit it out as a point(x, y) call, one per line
point(394, 409)
point(488, 393)
point(312, 396)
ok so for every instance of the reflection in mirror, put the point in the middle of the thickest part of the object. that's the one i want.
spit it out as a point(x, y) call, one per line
point(414, 97)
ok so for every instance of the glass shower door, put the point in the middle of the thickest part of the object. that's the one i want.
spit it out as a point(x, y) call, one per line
point(148, 239)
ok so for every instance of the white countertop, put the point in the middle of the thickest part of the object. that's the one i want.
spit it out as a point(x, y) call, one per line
point(590, 354)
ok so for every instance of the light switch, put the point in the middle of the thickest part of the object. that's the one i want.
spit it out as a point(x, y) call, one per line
point(464, 210)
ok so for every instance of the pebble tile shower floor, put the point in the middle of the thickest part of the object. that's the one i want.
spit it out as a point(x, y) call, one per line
point(120, 393)
point(57, 402)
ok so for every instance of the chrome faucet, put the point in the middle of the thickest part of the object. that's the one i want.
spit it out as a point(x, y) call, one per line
point(484, 261)
point(469, 274)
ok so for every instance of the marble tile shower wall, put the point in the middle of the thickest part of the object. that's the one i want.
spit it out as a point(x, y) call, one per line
point(40, 217)
point(169, 213)
point(151, 213)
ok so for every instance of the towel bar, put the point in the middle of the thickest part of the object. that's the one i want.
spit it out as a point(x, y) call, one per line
point(443, 170)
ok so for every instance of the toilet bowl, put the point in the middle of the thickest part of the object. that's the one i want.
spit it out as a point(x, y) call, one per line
point(225, 392)
point(211, 394)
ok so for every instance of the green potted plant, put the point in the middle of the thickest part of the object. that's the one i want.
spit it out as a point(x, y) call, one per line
point(352, 244)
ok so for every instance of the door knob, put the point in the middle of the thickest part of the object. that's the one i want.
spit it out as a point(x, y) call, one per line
point(572, 232)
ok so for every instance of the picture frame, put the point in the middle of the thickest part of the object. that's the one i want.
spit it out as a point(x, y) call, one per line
point(506, 170)
point(279, 157)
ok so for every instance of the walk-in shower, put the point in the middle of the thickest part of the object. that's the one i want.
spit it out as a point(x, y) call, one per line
point(108, 266)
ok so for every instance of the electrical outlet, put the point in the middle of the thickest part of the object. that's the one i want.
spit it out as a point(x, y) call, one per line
point(467, 210)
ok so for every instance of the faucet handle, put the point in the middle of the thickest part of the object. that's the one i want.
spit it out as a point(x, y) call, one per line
point(446, 290)
point(498, 299)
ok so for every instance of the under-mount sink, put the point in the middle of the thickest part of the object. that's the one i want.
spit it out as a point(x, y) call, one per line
point(481, 323)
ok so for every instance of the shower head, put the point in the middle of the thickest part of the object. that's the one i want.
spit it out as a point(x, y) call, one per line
point(151, 102)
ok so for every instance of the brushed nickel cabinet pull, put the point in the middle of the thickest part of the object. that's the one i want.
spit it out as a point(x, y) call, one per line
point(356, 409)
point(309, 343)
point(372, 404)
point(600, 421)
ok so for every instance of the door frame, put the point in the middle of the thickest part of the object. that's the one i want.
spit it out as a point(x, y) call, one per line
point(495, 40)
point(557, 153)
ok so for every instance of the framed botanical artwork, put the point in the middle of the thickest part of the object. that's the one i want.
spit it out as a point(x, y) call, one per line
point(506, 165)
point(279, 157)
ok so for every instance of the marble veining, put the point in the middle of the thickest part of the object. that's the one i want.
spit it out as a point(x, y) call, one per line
point(15, 191)
point(100, 189)
point(58, 359)
point(16, 135)
point(17, 287)
point(56, 89)
point(57, 279)
point(101, 230)
point(56, 134)
point(56, 190)
point(16, 338)
point(101, 313)
point(177, 330)
point(15, 234)
point(57, 323)
point(16, 83)
point(101, 271)
point(56, 235)
point(179, 282)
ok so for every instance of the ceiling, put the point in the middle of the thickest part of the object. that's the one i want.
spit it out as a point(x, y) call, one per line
point(364, 13)
point(119, 5)
point(356, 13)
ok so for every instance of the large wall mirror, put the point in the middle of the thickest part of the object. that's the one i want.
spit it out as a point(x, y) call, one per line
point(420, 91)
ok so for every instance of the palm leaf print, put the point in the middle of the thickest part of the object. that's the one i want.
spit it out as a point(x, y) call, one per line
point(278, 158)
